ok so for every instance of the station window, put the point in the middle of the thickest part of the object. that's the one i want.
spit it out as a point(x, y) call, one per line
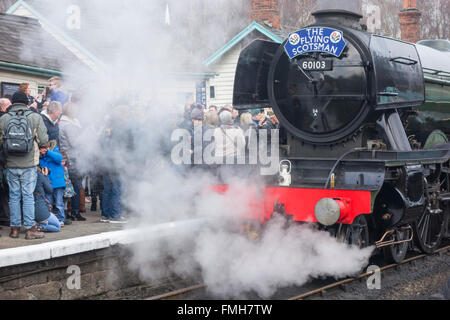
point(212, 92)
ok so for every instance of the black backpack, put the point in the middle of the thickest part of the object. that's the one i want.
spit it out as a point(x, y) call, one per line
point(19, 137)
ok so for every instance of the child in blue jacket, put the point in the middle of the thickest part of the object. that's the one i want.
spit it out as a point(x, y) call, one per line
point(52, 159)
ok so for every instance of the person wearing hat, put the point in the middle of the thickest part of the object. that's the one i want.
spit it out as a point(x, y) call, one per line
point(257, 116)
point(270, 122)
point(197, 124)
point(197, 119)
point(196, 115)
point(21, 169)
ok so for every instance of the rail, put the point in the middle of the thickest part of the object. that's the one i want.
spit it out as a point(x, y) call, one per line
point(323, 289)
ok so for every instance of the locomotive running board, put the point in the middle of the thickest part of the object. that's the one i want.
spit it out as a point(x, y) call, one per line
point(361, 170)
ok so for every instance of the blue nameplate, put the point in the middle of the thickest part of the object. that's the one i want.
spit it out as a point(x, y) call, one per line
point(315, 39)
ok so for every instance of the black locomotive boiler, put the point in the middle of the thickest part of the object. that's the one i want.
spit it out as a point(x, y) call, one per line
point(365, 131)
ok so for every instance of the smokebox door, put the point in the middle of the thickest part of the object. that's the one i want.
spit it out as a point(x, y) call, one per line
point(250, 83)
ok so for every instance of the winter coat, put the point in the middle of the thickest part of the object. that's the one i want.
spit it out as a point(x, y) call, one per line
point(41, 205)
point(118, 136)
point(69, 131)
point(248, 135)
point(229, 141)
point(53, 161)
point(52, 127)
point(269, 125)
point(58, 95)
point(40, 138)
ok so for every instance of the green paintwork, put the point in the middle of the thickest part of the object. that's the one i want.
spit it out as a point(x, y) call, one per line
point(29, 69)
point(249, 29)
point(437, 137)
point(373, 197)
point(434, 114)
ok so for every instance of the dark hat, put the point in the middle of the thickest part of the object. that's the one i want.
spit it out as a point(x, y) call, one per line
point(254, 112)
point(197, 114)
point(19, 97)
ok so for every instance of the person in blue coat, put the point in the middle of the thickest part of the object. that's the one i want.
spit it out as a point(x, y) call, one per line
point(47, 220)
point(52, 159)
point(57, 91)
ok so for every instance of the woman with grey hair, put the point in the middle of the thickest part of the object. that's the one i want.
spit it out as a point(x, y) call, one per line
point(51, 116)
point(229, 140)
point(249, 128)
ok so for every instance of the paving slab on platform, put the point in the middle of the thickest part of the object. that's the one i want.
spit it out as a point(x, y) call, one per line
point(85, 236)
point(91, 226)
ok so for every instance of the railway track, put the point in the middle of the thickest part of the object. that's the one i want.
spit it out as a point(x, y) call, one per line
point(341, 284)
point(178, 294)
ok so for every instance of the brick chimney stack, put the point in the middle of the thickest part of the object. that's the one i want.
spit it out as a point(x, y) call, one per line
point(409, 21)
point(266, 12)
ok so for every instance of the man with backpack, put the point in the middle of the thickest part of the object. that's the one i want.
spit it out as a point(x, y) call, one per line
point(22, 132)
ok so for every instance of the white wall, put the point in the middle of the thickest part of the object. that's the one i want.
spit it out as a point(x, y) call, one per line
point(17, 77)
point(224, 83)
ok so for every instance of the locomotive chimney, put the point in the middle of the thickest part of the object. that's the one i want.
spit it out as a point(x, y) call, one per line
point(347, 12)
point(409, 21)
point(266, 12)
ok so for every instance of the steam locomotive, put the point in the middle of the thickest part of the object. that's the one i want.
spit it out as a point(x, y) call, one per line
point(366, 121)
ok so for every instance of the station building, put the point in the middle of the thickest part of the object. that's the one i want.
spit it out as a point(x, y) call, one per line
point(27, 56)
point(208, 83)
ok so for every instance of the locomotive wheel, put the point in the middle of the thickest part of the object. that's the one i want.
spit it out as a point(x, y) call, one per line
point(429, 230)
point(356, 234)
point(396, 253)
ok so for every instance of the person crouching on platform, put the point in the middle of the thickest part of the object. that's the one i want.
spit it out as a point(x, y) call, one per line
point(42, 207)
point(52, 159)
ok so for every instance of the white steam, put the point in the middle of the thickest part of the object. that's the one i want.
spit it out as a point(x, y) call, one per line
point(137, 91)
point(233, 264)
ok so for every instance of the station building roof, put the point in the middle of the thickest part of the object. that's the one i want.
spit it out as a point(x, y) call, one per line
point(26, 47)
point(98, 47)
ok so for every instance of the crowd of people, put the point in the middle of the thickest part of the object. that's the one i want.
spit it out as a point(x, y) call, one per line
point(41, 185)
point(231, 129)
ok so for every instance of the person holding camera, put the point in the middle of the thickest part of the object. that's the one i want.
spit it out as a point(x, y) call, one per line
point(52, 159)
point(42, 207)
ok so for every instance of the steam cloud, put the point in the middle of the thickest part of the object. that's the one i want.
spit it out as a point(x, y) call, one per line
point(234, 265)
point(135, 89)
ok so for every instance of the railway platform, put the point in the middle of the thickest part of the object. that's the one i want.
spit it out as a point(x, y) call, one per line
point(91, 226)
point(98, 253)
